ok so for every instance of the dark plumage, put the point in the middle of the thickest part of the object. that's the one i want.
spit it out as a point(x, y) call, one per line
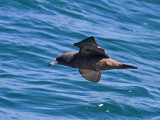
point(90, 60)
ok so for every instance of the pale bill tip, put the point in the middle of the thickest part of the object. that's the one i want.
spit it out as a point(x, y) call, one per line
point(53, 63)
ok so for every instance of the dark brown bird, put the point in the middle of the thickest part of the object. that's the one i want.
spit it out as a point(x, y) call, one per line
point(90, 60)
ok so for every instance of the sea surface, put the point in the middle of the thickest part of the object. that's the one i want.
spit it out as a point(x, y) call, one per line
point(34, 32)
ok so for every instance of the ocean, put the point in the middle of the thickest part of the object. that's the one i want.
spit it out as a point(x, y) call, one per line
point(34, 32)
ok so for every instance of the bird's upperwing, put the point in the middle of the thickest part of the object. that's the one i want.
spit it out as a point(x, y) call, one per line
point(90, 47)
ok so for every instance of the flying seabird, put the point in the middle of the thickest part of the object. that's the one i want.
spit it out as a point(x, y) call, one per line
point(90, 60)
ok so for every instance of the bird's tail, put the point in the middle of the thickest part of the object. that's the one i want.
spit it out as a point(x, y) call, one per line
point(124, 66)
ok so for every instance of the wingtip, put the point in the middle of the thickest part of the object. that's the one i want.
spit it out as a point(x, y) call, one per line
point(86, 41)
point(91, 37)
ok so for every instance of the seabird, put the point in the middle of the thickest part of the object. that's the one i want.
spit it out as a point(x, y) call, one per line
point(90, 60)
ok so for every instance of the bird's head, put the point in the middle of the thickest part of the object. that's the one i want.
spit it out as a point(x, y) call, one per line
point(63, 59)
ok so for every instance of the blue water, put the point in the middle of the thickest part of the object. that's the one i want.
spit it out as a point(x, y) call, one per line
point(34, 32)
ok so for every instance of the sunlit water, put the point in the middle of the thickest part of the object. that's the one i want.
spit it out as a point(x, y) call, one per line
point(34, 32)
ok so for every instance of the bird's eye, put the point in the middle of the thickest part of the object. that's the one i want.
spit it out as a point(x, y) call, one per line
point(58, 59)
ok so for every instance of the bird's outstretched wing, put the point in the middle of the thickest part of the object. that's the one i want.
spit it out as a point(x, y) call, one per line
point(90, 47)
point(93, 76)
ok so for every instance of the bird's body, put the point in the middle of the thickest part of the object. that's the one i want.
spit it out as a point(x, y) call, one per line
point(94, 62)
point(90, 60)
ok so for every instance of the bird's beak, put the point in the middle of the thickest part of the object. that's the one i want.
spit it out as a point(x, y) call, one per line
point(53, 63)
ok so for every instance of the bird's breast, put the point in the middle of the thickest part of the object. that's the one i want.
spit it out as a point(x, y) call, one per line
point(89, 63)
